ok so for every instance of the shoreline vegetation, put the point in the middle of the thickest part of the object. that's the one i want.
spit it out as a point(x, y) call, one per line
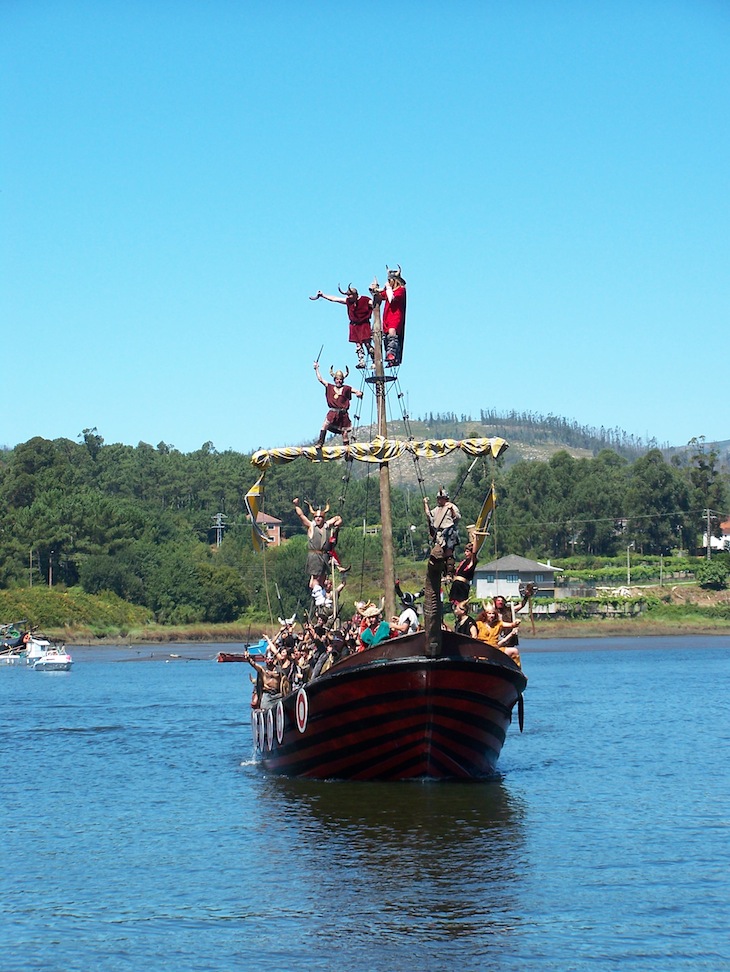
point(76, 618)
point(228, 634)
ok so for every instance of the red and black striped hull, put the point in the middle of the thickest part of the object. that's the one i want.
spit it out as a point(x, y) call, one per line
point(392, 713)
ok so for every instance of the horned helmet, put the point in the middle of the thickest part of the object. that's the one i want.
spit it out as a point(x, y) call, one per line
point(395, 276)
point(338, 373)
point(320, 511)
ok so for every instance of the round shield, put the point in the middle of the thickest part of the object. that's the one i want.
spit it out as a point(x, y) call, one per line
point(302, 710)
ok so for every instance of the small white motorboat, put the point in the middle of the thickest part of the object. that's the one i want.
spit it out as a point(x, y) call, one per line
point(44, 656)
point(53, 660)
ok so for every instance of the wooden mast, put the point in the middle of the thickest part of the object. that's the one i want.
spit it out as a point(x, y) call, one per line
point(386, 518)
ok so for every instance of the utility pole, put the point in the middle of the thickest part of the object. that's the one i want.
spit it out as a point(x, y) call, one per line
point(707, 534)
point(219, 526)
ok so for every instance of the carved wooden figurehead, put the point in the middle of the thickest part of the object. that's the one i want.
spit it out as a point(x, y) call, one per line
point(432, 614)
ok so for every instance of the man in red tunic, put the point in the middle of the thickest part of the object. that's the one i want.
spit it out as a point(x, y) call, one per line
point(338, 397)
point(394, 315)
point(359, 310)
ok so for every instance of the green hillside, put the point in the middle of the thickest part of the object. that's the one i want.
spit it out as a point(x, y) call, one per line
point(88, 517)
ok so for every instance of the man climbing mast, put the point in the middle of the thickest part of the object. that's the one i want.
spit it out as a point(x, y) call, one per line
point(442, 523)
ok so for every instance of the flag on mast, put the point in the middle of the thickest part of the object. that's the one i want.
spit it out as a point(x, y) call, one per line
point(481, 527)
point(252, 500)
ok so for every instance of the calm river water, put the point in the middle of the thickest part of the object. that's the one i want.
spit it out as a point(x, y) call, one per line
point(139, 835)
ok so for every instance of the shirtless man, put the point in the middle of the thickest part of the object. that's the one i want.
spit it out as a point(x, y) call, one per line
point(270, 679)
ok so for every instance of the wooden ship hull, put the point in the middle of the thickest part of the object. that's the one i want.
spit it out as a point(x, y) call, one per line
point(394, 713)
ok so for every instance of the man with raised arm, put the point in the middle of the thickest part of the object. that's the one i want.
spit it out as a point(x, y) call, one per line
point(338, 395)
point(319, 533)
point(359, 310)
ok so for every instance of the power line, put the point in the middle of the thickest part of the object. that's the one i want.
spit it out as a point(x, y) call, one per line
point(573, 521)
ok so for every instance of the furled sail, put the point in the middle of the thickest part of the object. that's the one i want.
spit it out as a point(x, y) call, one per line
point(381, 450)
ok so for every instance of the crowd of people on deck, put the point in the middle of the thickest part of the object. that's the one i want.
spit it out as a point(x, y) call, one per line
point(299, 652)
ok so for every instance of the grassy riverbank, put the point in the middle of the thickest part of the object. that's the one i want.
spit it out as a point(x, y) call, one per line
point(625, 628)
point(82, 619)
point(642, 626)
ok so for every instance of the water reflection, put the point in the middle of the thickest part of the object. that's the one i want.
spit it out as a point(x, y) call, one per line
point(446, 859)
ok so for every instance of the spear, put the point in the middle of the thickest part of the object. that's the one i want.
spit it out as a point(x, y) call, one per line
point(461, 484)
point(278, 595)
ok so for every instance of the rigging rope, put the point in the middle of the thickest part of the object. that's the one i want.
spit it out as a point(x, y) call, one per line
point(405, 418)
point(353, 438)
point(400, 395)
point(366, 511)
point(266, 588)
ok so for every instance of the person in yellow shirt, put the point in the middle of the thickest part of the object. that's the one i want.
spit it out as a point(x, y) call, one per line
point(497, 633)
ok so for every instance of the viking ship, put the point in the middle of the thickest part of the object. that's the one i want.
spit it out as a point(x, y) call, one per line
point(430, 705)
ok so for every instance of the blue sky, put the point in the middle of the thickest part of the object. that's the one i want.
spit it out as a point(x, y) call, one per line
point(177, 177)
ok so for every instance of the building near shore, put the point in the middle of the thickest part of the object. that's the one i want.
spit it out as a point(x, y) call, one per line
point(505, 575)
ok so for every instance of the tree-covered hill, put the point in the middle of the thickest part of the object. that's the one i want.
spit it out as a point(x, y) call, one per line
point(139, 521)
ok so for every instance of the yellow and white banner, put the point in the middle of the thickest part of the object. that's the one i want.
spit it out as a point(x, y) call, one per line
point(253, 504)
point(481, 527)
